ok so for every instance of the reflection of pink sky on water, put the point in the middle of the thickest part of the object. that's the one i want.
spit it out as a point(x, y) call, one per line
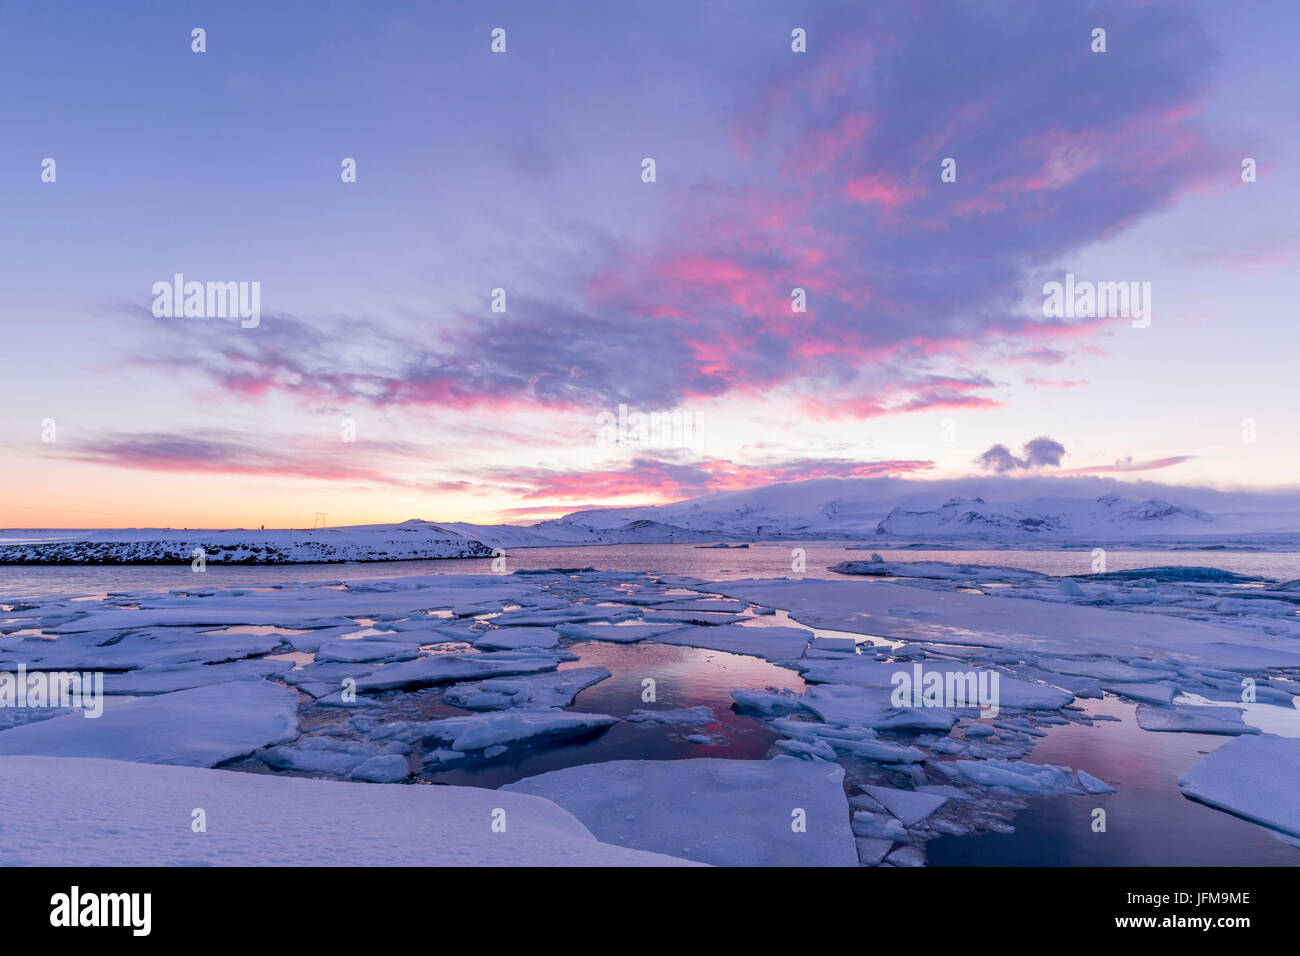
point(1148, 821)
point(684, 677)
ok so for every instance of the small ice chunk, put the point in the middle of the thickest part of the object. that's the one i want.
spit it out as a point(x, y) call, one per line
point(767, 703)
point(908, 806)
point(1018, 776)
point(906, 856)
point(388, 768)
point(513, 727)
point(556, 689)
point(689, 716)
point(871, 851)
point(1158, 693)
point(877, 825)
point(1091, 784)
point(845, 645)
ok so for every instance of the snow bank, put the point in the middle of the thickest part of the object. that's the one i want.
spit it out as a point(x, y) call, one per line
point(86, 812)
point(726, 812)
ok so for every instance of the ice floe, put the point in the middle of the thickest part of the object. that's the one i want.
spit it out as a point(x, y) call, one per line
point(448, 668)
point(1257, 778)
point(513, 727)
point(909, 806)
point(1188, 718)
point(620, 634)
point(774, 643)
point(200, 727)
point(779, 812)
point(556, 689)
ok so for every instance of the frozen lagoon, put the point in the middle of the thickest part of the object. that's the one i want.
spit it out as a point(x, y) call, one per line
point(1197, 637)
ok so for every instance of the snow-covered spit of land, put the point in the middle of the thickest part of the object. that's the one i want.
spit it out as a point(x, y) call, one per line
point(378, 686)
point(973, 512)
point(412, 540)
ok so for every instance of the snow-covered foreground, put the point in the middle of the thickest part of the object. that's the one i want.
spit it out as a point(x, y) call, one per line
point(83, 812)
point(393, 684)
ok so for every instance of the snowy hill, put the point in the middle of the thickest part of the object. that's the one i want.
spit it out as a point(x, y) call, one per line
point(1107, 516)
point(408, 541)
point(562, 532)
point(993, 509)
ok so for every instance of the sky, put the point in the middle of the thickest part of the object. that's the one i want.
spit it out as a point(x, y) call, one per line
point(385, 379)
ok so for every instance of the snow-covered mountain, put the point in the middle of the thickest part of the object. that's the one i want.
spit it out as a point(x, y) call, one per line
point(989, 509)
point(1108, 516)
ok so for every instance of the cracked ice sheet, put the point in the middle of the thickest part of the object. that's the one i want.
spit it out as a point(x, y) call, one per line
point(516, 638)
point(51, 816)
point(294, 605)
point(725, 812)
point(1257, 778)
point(200, 727)
point(569, 614)
point(899, 612)
point(165, 680)
point(161, 647)
point(776, 644)
point(619, 634)
point(364, 651)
